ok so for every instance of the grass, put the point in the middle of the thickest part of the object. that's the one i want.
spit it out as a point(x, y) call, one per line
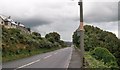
point(93, 63)
point(25, 54)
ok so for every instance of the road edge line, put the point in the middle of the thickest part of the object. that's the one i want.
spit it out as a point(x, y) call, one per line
point(69, 58)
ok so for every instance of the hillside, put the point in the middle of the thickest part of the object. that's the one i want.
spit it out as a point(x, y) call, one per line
point(18, 44)
point(96, 37)
point(68, 43)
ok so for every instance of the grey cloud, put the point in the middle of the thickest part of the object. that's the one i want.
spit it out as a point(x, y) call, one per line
point(32, 22)
point(62, 17)
point(102, 12)
point(36, 22)
point(64, 28)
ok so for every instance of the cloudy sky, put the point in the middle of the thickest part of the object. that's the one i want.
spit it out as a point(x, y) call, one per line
point(62, 16)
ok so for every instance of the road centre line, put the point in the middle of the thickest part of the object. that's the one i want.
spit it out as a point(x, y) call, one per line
point(27, 64)
point(55, 52)
point(37, 60)
point(68, 61)
point(47, 56)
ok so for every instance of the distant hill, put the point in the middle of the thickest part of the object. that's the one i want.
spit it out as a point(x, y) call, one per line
point(68, 43)
point(96, 37)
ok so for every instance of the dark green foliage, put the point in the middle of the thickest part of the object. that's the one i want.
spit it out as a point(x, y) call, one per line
point(95, 37)
point(53, 37)
point(36, 35)
point(28, 29)
point(95, 63)
point(103, 54)
point(62, 43)
point(45, 44)
point(76, 39)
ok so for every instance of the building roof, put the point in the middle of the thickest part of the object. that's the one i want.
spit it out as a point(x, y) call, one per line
point(2, 17)
point(14, 23)
point(10, 20)
point(7, 19)
point(21, 25)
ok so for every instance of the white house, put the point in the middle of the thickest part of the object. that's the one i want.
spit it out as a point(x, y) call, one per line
point(7, 22)
point(1, 20)
point(21, 25)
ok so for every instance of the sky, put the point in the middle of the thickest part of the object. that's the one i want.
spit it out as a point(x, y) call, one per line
point(62, 16)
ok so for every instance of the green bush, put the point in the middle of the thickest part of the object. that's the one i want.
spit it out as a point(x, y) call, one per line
point(104, 55)
point(36, 35)
point(54, 36)
point(93, 63)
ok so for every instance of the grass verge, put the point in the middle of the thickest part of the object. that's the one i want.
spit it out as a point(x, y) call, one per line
point(93, 63)
point(25, 54)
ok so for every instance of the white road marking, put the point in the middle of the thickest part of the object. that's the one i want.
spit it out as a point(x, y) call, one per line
point(27, 64)
point(47, 56)
point(69, 59)
point(55, 52)
point(44, 58)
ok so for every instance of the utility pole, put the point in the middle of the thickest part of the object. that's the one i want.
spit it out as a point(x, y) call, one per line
point(81, 32)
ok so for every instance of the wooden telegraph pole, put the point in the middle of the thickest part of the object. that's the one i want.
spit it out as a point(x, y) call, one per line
point(81, 32)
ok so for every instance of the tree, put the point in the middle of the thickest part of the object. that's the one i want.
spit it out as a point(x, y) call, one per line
point(76, 39)
point(103, 54)
point(53, 37)
point(29, 29)
point(36, 35)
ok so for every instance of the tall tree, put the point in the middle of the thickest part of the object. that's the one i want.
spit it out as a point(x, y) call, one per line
point(53, 37)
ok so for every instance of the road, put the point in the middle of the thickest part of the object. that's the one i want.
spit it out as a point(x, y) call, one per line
point(56, 59)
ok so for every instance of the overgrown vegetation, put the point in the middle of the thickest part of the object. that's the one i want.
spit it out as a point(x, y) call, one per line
point(94, 63)
point(95, 37)
point(17, 44)
point(103, 54)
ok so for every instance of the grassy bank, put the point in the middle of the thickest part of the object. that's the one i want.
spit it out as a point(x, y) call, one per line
point(17, 44)
point(93, 63)
point(25, 54)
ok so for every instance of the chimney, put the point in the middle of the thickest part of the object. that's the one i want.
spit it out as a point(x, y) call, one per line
point(18, 23)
